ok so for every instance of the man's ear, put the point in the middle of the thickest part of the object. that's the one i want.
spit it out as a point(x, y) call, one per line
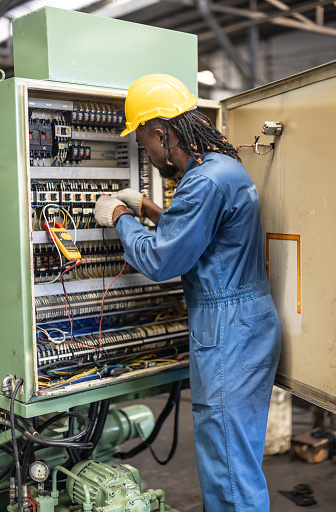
point(159, 134)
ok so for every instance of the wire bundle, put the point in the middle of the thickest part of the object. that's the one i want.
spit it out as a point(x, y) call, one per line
point(21, 450)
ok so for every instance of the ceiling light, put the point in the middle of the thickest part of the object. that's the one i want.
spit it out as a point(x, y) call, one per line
point(206, 77)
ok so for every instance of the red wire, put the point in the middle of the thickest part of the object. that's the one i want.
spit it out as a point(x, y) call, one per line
point(181, 355)
point(31, 499)
point(264, 145)
point(78, 262)
point(254, 145)
point(66, 308)
point(102, 306)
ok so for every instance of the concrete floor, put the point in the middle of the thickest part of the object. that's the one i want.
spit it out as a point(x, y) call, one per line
point(179, 477)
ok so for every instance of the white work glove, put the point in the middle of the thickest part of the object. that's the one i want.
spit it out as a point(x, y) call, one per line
point(104, 209)
point(132, 198)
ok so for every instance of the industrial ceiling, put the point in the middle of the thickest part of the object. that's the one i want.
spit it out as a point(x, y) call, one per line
point(219, 24)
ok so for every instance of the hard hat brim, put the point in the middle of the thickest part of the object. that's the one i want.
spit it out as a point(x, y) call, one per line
point(125, 132)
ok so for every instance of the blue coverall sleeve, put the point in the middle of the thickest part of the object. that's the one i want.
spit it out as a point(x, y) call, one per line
point(182, 233)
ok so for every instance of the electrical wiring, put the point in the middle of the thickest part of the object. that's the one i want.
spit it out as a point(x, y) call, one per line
point(162, 362)
point(14, 441)
point(255, 148)
point(130, 360)
point(149, 358)
point(183, 355)
point(85, 331)
point(32, 502)
point(74, 362)
point(52, 238)
point(173, 399)
point(102, 304)
point(175, 437)
point(76, 375)
point(61, 375)
point(65, 213)
point(56, 341)
point(6, 470)
point(40, 220)
point(88, 347)
point(28, 446)
point(75, 380)
point(78, 262)
point(35, 219)
point(33, 435)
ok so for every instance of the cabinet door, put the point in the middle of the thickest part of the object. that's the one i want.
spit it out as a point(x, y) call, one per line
point(296, 183)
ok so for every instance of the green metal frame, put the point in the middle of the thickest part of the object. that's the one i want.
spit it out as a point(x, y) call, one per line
point(66, 46)
point(122, 391)
point(15, 300)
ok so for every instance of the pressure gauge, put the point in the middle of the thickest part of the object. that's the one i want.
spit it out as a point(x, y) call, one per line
point(39, 470)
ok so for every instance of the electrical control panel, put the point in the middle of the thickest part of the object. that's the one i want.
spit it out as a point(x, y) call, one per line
point(94, 321)
point(81, 331)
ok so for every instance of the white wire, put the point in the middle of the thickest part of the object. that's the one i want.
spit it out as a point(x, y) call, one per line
point(57, 341)
point(66, 212)
point(53, 239)
point(54, 280)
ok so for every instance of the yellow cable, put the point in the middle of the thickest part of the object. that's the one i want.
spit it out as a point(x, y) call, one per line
point(35, 219)
point(164, 360)
point(40, 220)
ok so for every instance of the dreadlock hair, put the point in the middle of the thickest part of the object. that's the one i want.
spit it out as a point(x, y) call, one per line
point(196, 133)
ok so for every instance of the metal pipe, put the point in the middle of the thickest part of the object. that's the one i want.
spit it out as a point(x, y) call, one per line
point(76, 478)
point(284, 7)
point(25, 499)
point(259, 18)
point(6, 386)
point(12, 490)
point(161, 496)
point(241, 66)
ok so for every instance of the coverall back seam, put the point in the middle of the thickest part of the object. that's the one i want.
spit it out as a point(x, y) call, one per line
point(230, 469)
point(219, 274)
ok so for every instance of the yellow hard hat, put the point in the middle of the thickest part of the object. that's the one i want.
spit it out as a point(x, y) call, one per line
point(155, 96)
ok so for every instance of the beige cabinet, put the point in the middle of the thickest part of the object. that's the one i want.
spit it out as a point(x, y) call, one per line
point(296, 182)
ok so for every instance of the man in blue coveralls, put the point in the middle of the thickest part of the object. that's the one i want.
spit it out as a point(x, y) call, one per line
point(210, 236)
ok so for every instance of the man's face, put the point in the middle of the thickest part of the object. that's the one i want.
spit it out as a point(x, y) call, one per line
point(152, 142)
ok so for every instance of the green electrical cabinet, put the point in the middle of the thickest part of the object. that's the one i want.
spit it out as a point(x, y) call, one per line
point(66, 62)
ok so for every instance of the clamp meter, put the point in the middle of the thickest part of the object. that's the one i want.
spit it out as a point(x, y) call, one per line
point(62, 239)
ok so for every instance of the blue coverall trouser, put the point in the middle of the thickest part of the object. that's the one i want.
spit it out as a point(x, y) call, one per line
point(231, 383)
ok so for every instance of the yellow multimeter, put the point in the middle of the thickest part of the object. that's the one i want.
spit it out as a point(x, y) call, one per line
point(61, 237)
